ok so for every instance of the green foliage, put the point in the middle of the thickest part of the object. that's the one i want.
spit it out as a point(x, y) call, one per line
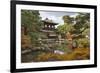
point(68, 19)
point(62, 47)
point(82, 22)
point(84, 43)
point(81, 27)
point(67, 26)
point(86, 32)
point(63, 29)
point(31, 20)
point(34, 36)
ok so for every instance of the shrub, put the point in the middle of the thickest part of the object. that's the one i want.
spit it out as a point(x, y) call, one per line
point(77, 54)
point(83, 43)
point(25, 42)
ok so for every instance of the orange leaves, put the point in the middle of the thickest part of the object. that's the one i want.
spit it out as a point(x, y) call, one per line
point(83, 53)
point(77, 54)
point(25, 41)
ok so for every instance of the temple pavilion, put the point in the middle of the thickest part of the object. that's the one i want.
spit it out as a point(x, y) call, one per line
point(48, 28)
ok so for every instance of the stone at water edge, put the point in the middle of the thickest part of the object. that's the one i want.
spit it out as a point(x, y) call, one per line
point(58, 52)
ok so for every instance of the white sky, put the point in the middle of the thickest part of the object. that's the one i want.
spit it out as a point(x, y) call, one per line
point(56, 16)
